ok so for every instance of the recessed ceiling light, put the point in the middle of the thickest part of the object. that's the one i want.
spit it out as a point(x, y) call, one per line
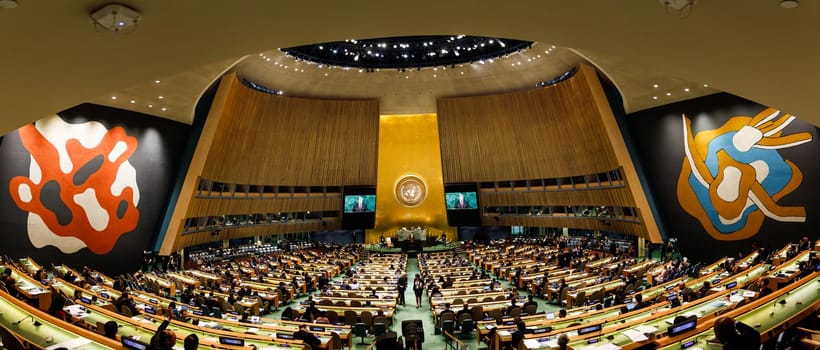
point(161, 97)
point(789, 4)
point(434, 75)
point(705, 85)
point(132, 101)
point(668, 94)
point(686, 89)
point(150, 106)
point(8, 4)
point(163, 108)
point(654, 97)
point(655, 85)
point(156, 81)
point(113, 97)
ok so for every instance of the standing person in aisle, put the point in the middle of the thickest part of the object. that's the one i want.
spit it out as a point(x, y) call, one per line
point(418, 288)
point(402, 288)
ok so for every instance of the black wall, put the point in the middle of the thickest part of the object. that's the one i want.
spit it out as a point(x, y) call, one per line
point(155, 159)
point(658, 136)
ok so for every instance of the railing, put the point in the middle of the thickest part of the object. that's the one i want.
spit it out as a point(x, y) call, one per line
point(454, 343)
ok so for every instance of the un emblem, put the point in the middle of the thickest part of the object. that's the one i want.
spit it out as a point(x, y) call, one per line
point(732, 177)
point(410, 191)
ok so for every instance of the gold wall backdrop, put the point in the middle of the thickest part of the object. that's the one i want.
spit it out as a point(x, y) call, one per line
point(409, 145)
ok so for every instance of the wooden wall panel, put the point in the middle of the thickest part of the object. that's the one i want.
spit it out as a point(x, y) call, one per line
point(566, 129)
point(282, 140)
point(252, 231)
point(539, 133)
point(236, 206)
point(619, 197)
point(636, 229)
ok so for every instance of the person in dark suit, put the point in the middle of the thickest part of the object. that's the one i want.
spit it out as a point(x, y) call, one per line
point(460, 202)
point(360, 205)
point(530, 302)
point(736, 335)
point(402, 287)
point(304, 335)
point(518, 335)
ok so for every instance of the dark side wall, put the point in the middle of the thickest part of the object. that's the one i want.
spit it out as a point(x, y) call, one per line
point(123, 176)
point(658, 135)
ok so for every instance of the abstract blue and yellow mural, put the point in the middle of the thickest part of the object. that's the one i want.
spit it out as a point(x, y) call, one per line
point(733, 176)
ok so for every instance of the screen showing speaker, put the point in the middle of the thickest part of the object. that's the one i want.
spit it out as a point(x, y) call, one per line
point(461, 201)
point(359, 207)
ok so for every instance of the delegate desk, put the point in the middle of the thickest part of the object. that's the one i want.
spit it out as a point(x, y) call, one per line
point(387, 301)
point(628, 329)
point(49, 332)
point(340, 310)
point(187, 280)
point(451, 299)
point(704, 307)
point(31, 290)
point(29, 265)
point(767, 315)
point(787, 271)
point(205, 277)
point(142, 327)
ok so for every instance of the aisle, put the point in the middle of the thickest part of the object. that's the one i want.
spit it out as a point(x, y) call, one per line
point(410, 312)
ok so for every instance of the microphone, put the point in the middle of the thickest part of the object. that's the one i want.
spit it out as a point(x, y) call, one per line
point(36, 323)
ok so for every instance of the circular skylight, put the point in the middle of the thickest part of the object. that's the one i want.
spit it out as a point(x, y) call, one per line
point(409, 52)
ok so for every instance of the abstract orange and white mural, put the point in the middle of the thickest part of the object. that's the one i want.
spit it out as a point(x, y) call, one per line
point(81, 190)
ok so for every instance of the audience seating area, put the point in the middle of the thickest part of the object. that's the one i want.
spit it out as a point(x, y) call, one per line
point(505, 295)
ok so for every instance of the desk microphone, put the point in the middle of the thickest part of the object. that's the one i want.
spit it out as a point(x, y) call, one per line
point(36, 323)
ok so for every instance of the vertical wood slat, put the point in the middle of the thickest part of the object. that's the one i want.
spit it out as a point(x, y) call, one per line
point(260, 139)
point(281, 140)
point(223, 99)
point(624, 158)
point(539, 133)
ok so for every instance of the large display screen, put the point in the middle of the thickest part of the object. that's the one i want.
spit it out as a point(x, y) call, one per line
point(360, 203)
point(461, 200)
point(358, 207)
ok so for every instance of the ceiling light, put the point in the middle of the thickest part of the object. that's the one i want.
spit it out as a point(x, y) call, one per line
point(654, 97)
point(113, 97)
point(789, 4)
point(686, 89)
point(156, 81)
point(668, 94)
point(655, 86)
point(161, 97)
point(150, 106)
point(115, 18)
point(705, 85)
point(8, 4)
point(678, 8)
point(163, 108)
point(132, 101)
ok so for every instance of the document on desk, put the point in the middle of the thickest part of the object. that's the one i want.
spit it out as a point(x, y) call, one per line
point(635, 335)
point(601, 347)
point(535, 344)
point(70, 344)
point(77, 311)
point(646, 329)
